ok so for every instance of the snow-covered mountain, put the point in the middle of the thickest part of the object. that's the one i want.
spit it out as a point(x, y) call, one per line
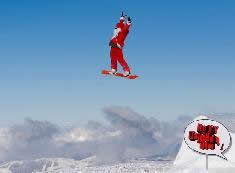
point(61, 165)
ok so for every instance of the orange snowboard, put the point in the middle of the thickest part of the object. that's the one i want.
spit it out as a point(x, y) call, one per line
point(108, 72)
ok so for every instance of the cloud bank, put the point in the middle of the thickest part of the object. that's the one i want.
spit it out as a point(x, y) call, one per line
point(126, 135)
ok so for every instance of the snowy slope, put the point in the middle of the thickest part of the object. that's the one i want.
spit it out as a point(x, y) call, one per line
point(60, 165)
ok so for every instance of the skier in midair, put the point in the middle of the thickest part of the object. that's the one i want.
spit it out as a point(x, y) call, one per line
point(117, 43)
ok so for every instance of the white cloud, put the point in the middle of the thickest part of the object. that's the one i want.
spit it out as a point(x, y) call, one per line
point(127, 135)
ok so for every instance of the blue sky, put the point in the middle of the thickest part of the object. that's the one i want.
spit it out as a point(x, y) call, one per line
point(52, 53)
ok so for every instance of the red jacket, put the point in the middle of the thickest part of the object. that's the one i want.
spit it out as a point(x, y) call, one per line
point(120, 33)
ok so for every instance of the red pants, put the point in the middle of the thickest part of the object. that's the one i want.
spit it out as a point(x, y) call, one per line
point(116, 55)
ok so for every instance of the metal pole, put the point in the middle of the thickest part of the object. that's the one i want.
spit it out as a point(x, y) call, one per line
point(207, 163)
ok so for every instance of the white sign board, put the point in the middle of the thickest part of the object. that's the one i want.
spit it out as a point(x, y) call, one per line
point(207, 137)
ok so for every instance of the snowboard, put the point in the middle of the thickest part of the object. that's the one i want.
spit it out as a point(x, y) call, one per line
point(108, 72)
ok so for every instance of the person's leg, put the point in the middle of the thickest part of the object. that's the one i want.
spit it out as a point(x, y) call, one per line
point(113, 57)
point(122, 62)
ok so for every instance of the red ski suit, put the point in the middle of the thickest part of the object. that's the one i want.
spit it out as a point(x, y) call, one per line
point(116, 43)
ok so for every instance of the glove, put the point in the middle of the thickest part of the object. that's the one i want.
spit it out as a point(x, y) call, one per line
point(129, 21)
point(122, 14)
